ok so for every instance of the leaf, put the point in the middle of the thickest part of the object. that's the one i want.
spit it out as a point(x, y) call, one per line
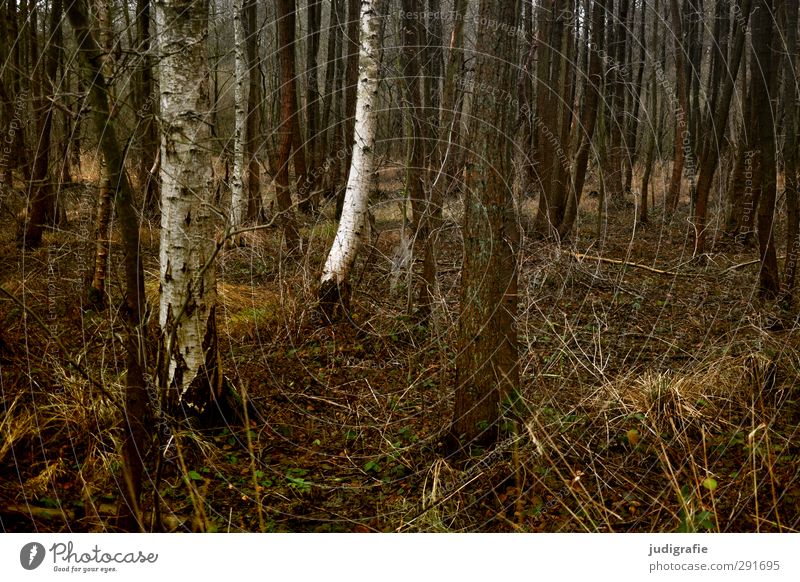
point(704, 520)
point(371, 466)
point(710, 483)
point(195, 476)
point(633, 437)
point(299, 484)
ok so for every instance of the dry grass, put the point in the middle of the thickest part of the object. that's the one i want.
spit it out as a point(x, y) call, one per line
point(645, 405)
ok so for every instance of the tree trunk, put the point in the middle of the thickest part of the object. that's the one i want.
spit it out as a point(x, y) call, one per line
point(313, 150)
point(190, 370)
point(238, 202)
point(740, 186)
point(285, 23)
point(617, 114)
point(331, 143)
point(334, 291)
point(146, 110)
point(546, 121)
point(448, 145)
point(655, 116)
point(433, 63)
point(632, 124)
point(487, 371)
point(716, 122)
point(588, 118)
point(14, 155)
point(790, 157)
point(413, 39)
point(43, 201)
point(682, 134)
point(136, 399)
point(253, 182)
point(97, 291)
point(351, 80)
point(763, 88)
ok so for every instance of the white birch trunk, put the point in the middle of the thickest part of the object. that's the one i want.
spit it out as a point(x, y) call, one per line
point(353, 226)
point(188, 277)
point(240, 117)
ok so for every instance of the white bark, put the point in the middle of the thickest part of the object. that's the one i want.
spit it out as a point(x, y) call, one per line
point(188, 283)
point(353, 223)
point(240, 117)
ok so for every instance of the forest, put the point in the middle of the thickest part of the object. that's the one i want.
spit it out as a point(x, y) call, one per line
point(399, 266)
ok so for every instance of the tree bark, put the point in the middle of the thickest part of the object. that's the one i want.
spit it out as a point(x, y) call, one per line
point(763, 88)
point(331, 142)
point(254, 92)
point(238, 201)
point(588, 118)
point(682, 133)
point(146, 111)
point(716, 123)
point(335, 291)
point(285, 23)
point(136, 398)
point(190, 369)
point(313, 100)
point(43, 202)
point(790, 156)
point(632, 125)
point(448, 144)
point(617, 81)
point(97, 291)
point(487, 371)
point(351, 80)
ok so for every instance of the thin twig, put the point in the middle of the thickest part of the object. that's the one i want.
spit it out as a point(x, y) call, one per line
point(741, 265)
point(581, 256)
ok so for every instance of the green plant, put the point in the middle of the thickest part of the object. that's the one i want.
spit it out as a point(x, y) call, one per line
point(692, 520)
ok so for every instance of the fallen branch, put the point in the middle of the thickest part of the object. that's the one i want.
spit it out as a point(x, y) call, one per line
point(581, 256)
point(104, 512)
point(742, 265)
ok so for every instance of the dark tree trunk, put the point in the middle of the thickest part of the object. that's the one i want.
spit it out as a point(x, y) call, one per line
point(313, 141)
point(615, 172)
point(253, 182)
point(682, 130)
point(336, 147)
point(790, 157)
point(588, 118)
point(448, 152)
point(632, 126)
point(97, 291)
point(716, 121)
point(414, 42)
point(43, 202)
point(763, 87)
point(285, 23)
point(136, 400)
point(146, 111)
point(350, 90)
point(487, 371)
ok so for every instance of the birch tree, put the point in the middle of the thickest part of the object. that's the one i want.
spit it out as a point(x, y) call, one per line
point(240, 117)
point(335, 287)
point(190, 360)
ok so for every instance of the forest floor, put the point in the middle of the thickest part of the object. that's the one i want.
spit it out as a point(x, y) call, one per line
point(652, 400)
